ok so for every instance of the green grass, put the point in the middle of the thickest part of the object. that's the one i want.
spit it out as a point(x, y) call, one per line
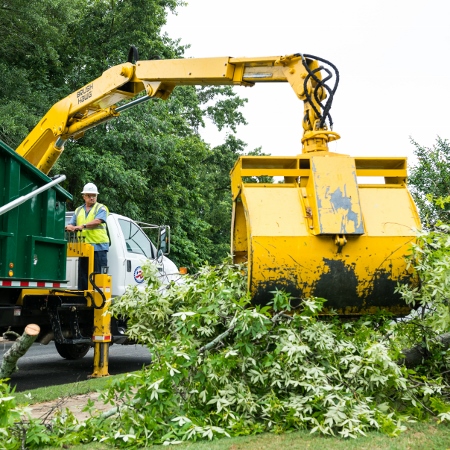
point(418, 436)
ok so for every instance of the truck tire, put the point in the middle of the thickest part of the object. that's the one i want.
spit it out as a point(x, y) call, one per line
point(72, 351)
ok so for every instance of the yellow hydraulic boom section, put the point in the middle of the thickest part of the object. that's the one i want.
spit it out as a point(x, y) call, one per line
point(97, 102)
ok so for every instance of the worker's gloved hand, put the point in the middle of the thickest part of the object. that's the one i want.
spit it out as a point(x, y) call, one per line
point(74, 228)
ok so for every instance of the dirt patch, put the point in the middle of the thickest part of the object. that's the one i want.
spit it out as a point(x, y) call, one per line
point(75, 404)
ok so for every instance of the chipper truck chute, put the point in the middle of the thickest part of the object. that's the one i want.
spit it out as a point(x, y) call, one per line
point(332, 226)
point(321, 233)
point(323, 228)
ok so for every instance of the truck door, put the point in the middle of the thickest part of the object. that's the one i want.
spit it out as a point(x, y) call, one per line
point(139, 248)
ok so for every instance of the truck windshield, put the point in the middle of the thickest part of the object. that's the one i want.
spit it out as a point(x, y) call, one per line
point(135, 239)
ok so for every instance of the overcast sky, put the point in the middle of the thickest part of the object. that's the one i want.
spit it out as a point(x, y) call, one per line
point(392, 55)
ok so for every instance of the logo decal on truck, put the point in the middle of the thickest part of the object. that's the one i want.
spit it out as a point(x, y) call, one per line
point(85, 93)
point(138, 275)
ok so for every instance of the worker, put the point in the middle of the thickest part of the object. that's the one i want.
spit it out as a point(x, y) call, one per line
point(90, 219)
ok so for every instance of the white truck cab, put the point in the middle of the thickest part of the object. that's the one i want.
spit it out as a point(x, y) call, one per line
point(130, 247)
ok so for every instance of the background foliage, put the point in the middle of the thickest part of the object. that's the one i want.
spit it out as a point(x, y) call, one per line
point(429, 182)
point(151, 163)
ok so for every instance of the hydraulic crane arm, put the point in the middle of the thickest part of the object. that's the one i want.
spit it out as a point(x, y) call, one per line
point(97, 101)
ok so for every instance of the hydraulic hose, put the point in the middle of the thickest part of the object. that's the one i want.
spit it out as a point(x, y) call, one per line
point(92, 280)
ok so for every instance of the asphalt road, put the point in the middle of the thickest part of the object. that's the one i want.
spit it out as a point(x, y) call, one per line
point(42, 366)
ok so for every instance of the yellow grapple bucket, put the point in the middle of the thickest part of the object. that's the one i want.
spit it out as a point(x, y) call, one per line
point(318, 230)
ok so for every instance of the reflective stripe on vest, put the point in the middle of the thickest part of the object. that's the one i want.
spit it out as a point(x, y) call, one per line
point(97, 235)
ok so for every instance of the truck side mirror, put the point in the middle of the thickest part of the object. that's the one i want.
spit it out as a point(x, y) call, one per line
point(163, 240)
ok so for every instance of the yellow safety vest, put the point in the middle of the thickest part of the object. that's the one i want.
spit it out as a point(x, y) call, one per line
point(97, 235)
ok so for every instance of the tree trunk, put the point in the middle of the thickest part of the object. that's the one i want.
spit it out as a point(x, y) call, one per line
point(416, 355)
point(18, 349)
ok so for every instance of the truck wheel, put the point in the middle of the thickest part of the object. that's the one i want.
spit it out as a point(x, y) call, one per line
point(72, 351)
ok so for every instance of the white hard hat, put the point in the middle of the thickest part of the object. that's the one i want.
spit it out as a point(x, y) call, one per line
point(90, 188)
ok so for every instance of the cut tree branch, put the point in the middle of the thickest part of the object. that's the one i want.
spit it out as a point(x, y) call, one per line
point(219, 338)
point(17, 350)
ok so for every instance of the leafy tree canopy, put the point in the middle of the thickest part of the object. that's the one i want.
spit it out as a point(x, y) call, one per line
point(429, 182)
point(151, 163)
point(33, 36)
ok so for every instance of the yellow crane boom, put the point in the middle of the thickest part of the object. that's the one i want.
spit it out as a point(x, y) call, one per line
point(97, 101)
